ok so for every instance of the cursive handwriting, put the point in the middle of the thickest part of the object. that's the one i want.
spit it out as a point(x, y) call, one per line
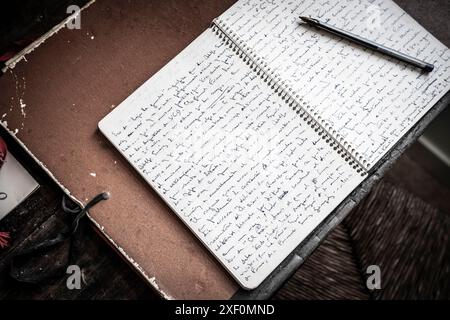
point(367, 98)
point(234, 161)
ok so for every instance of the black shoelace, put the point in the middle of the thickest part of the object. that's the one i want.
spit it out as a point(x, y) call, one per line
point(31, 276)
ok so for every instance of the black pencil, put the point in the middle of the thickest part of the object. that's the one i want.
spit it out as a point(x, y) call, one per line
point(370, 44)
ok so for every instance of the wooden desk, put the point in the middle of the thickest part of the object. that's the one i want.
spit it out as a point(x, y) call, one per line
point(74, 79)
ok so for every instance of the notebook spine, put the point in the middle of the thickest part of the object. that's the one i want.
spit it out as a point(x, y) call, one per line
point(295, 101)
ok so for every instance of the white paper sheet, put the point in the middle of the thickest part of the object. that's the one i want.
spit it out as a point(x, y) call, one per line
point(15, 185)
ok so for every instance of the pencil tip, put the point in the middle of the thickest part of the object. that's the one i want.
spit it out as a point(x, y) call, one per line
point(307, 19)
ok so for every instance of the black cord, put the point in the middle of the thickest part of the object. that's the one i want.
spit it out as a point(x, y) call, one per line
point(34, 277)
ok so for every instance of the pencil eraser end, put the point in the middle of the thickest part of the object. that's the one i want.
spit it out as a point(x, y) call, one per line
point(428, 68)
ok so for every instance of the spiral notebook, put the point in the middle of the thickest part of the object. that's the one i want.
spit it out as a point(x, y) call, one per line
point(257, 130)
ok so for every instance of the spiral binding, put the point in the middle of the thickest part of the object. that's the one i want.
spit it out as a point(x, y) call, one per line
point(297, 103)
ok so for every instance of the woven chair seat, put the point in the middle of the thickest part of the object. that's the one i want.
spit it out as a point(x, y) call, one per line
point(393, 229)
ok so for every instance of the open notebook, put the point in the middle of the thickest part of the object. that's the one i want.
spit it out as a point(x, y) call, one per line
point(257, 130)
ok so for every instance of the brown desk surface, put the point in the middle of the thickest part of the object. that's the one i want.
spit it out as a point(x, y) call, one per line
point(71, 82)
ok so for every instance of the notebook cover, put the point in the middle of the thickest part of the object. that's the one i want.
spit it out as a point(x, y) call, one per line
point(53, 101)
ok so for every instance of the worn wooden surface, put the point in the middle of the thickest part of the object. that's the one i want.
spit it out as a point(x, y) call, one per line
point(415, 264)
point(105, 274)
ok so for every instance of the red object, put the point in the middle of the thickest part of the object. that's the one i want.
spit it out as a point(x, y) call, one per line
point(3, 151)
point(4, 239)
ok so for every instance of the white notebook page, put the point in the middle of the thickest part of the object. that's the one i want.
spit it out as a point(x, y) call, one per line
point(233, 160)
point(369, 99)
